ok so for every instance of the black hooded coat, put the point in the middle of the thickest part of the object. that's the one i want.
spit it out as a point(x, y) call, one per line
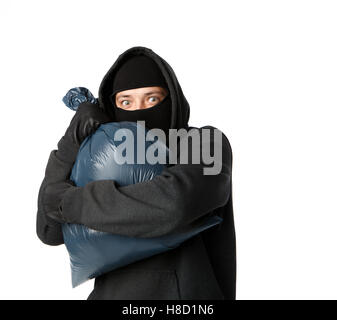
point(203, 267)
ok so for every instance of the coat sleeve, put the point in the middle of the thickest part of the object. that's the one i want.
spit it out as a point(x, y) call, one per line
point(58, 169)
point(177, 197)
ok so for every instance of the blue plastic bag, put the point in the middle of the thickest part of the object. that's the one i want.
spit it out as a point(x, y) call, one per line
point(92, 252)
point(76, 96)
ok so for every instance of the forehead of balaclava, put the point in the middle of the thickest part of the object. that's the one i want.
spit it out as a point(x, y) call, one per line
point(137, 72)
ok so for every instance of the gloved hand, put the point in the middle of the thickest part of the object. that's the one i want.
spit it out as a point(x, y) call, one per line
point(86, 120)
point(52, 198)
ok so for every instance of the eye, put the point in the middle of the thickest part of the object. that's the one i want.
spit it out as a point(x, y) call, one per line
point(125, 102)
point(153, 99)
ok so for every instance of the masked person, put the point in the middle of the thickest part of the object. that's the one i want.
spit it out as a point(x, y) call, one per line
point(141, 85)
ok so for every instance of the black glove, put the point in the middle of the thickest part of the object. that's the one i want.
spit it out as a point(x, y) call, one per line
point(86, 120)
point(52, 198)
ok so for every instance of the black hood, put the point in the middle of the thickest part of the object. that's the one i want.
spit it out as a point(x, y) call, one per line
point(180, 107)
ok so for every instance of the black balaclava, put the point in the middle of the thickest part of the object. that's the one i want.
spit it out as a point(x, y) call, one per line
point(138, 72)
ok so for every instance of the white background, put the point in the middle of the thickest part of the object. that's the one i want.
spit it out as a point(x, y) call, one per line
point(263, 72)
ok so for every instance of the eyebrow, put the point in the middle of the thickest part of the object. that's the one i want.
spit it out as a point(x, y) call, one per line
point(147, 94)
point(152, 92)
